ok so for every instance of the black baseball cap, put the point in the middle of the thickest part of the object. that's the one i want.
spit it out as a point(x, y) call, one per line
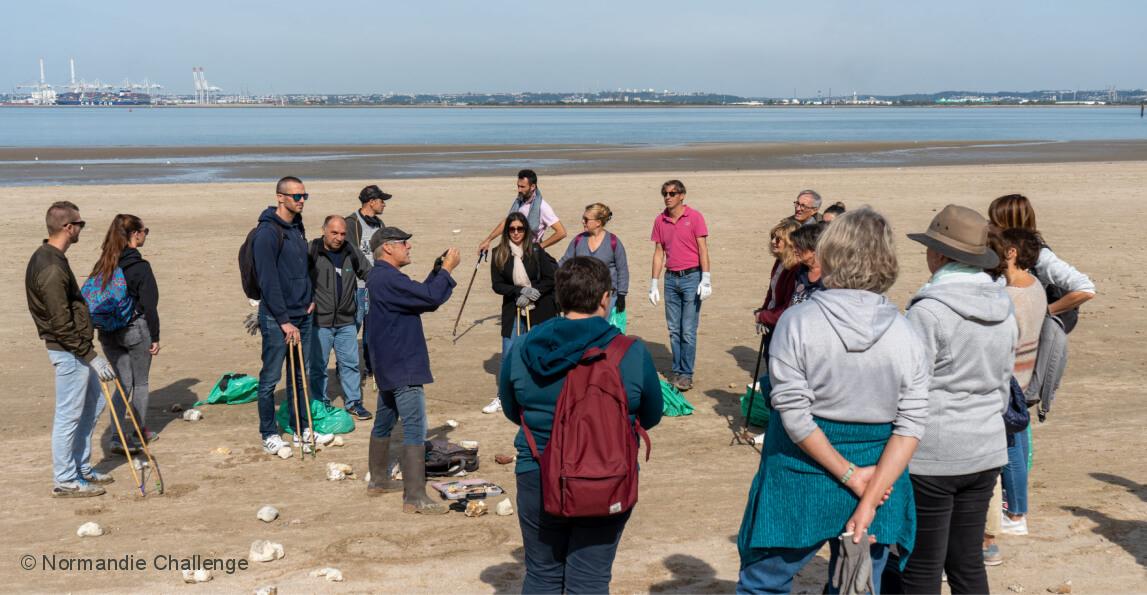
point(372, 192)
point(387, 234)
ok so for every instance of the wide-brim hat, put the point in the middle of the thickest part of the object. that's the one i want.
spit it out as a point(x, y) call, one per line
point(960, 234)
point(388, 234)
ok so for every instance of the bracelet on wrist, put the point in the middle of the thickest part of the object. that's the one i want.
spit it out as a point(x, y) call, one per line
point(848, 474)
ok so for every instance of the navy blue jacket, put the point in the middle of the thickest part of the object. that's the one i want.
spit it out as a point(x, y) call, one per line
point(394, 323)
point(282, 271)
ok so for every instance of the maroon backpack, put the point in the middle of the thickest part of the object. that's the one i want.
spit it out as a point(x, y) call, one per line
point(589, 467)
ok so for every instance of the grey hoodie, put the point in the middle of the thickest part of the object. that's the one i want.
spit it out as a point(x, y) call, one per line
point(969, 331)
point(848, 355)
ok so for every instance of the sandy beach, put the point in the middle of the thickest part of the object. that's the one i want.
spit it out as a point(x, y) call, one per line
point(1089, 499)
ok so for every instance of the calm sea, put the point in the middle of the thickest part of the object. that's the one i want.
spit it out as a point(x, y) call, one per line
point(196, 127)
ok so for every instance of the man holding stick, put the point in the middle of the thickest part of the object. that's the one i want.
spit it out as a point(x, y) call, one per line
point(402, 363)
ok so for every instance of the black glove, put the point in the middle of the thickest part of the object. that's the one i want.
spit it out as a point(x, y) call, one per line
point(620, 303)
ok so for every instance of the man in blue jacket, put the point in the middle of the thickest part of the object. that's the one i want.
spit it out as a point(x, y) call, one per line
point(402, 363)
point(280, 248)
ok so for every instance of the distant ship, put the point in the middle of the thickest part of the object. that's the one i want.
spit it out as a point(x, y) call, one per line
point(101, 97)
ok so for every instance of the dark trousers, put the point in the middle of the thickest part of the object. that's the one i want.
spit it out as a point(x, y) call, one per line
point(565, 555)
point(274, 356)
point(950, 516)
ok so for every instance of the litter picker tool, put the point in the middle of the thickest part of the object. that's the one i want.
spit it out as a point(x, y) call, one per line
point(296, 431)
point(527, 309)
point(145, 445)
point(481, 256)
point(751, 393)
point(307, 401)
point(122, 439)
point(140, 471)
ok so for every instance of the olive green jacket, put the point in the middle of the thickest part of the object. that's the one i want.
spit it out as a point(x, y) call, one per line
point(56, 304)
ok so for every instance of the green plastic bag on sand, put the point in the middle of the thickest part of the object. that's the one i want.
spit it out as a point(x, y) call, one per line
point(327, 419)
point(760, 417)
point(675, 404)
point(618, 319)
point(232, 389)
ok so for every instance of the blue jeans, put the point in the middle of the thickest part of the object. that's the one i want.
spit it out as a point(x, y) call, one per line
point(407, 403)
point(574, 555)
point(79, 402)
point(682, 313)
point(274, 355)
point(1015, 474)
point(344, 339)
point(508, 342)
point(774, 572)
point(362, 297)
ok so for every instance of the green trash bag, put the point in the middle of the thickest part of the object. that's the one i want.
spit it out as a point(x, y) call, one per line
point(675, 404)
point(232, 389)
point(618, 319)
point(761, 407)
point(327, 419)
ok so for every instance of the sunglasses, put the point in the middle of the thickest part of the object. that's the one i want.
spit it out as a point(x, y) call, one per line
point(296, 197)
point(145, 231)
point(671, 193)
point(517, 229)
point(80, 223)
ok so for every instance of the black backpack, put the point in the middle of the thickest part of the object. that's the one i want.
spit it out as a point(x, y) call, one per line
point(247, 273)
point(446, 459)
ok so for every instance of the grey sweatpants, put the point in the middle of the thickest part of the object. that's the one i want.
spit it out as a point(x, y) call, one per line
point(127, 350)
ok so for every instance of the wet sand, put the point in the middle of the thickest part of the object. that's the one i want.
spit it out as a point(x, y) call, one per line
point(1088, 485)
point(176, 165)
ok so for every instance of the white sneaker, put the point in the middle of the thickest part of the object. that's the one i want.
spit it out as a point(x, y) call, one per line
point(320, 438)
point(494, 406)
point(1010, 527)
point(272, 444)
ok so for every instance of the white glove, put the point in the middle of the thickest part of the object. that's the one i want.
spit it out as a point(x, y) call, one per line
point(762, 328)
point(705, 289)
point(654, 295)
point(103, 369)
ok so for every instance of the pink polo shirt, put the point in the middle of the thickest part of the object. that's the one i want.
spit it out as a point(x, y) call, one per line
point(679, 240)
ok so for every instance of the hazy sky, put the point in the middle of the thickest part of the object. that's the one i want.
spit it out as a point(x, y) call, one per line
point(759, 48)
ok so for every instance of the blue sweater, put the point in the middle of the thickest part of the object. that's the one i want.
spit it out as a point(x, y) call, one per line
point(282, 266)
point(394, 323)
point(534, 371)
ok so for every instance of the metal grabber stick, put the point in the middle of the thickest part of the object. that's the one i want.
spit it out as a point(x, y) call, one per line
point(481, 256)
point(297, 430)
point(307, 402)
point(527, 309)
point(122, 438)
point(145, 445)
point(754, 387)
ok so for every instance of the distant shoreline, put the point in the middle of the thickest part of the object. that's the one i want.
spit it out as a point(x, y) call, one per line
point(187, 165)
point(643, 105)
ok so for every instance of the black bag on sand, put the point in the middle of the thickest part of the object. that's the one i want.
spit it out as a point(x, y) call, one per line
point(447, 459)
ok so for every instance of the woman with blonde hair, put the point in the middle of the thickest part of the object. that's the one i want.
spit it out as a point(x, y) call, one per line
point(782, 277)
point(850, 389)
point(130, 349)
point(603, 245)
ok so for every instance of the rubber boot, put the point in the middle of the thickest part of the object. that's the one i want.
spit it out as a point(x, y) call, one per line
point(414, 498)
point(380, 481)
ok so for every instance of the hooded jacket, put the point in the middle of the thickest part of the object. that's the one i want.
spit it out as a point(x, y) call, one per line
point(141, 286)
point(848, 355)
point(56, 304)
point(969, 332)
point(281, 266)
point(534, 371)
point(334, 287)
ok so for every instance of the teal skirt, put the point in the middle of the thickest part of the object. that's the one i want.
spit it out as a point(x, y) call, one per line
point(796, 503)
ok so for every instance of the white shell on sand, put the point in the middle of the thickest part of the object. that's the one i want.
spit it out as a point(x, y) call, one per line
point(268, 590)
point(475, 508)
point(265, 551)
point(455, 231)
point(333, 575)
point(504, 508)
point(337, 441)
point(192, 415)
point(285, 452)
point(90, 530)
point(339, 471)
point(267, 514)
point(471, 444)
point(197, 576)
point(452, 423)
point(222, 450)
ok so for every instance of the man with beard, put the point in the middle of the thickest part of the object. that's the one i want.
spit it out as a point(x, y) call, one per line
point(539, 214)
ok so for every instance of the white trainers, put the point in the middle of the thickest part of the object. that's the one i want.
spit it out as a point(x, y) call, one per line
point(1016, 527)
point(320, 438)
point(494, 406)
point(273, 444)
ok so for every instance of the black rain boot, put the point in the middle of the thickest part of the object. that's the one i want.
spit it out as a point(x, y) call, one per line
point(379, 463)
point(414, 498)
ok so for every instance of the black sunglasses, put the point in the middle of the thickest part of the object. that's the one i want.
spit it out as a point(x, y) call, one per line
point(671, 193)
point(80, 223)
point(514, 228)
point(296, 197)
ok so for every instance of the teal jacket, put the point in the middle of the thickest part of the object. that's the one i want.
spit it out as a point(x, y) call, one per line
point(534, 371)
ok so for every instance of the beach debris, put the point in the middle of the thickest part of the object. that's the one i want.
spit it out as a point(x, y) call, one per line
point(267, 513)
point(222, 450)
point(366, 477)
point(339, 471)
point(201, 575)
point(503, 459)
point(759, 439)
point(265, 551)
point(192, 415)
point(476, 508)
point(452, 423)
point(470, 444)
point(1062, 588)
point(455, 231)
point(732, 385)
point(90, 529)
point(267, 590)
point(337, 441)
point(139, 464)
point(333, 575)
point(504, 508)
point(285, 453)
point(1016, 588)
point(176, 408)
